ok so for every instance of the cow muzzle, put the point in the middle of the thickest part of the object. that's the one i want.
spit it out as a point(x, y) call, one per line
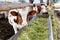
point(24, 24)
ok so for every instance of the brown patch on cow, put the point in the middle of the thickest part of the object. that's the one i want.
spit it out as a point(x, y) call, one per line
point(19, 19)
point(32, 12)
point(39, 9)
point(30, 15)
point(14, 13)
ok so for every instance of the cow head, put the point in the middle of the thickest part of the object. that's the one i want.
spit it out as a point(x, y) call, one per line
point(43, 8)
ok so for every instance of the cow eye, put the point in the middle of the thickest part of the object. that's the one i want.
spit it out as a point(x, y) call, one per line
point(14, 13)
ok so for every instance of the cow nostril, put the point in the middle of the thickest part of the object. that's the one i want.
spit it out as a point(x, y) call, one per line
point(25, 24)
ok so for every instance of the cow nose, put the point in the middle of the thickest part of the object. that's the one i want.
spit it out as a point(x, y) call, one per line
point(24, 24)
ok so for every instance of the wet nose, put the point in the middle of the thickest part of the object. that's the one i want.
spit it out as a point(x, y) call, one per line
point(25, 24)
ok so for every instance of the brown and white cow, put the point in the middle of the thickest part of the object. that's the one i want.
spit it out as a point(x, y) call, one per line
point(40, 8)
point(20, 17)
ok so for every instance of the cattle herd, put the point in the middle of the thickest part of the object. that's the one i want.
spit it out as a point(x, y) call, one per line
point(19, 18)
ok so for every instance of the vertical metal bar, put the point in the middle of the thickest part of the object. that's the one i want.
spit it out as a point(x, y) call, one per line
point(41, 1)
point(31, 1)
point(47, 2)
point(50, 28)
point(51, 2)
point(5, 1)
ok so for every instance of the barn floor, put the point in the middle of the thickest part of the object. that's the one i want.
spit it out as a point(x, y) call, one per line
point(6, 31)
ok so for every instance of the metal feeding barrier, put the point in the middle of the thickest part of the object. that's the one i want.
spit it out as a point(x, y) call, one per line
point(51, 13)
point(50, 28)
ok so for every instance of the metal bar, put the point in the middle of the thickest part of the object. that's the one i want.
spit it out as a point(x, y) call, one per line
point(50, 28)
point(14, 7)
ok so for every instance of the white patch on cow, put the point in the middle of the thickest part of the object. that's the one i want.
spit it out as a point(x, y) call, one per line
point(43, 9)
point(35, 8)
point(24, 13)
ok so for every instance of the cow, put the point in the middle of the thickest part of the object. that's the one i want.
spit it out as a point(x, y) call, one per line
point(20, 18)
point(41, 9)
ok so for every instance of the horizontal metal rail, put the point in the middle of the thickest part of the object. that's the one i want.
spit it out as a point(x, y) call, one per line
point(7, 7)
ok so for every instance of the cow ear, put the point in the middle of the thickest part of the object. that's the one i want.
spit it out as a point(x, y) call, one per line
point(30, 15)
point(14, 13)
